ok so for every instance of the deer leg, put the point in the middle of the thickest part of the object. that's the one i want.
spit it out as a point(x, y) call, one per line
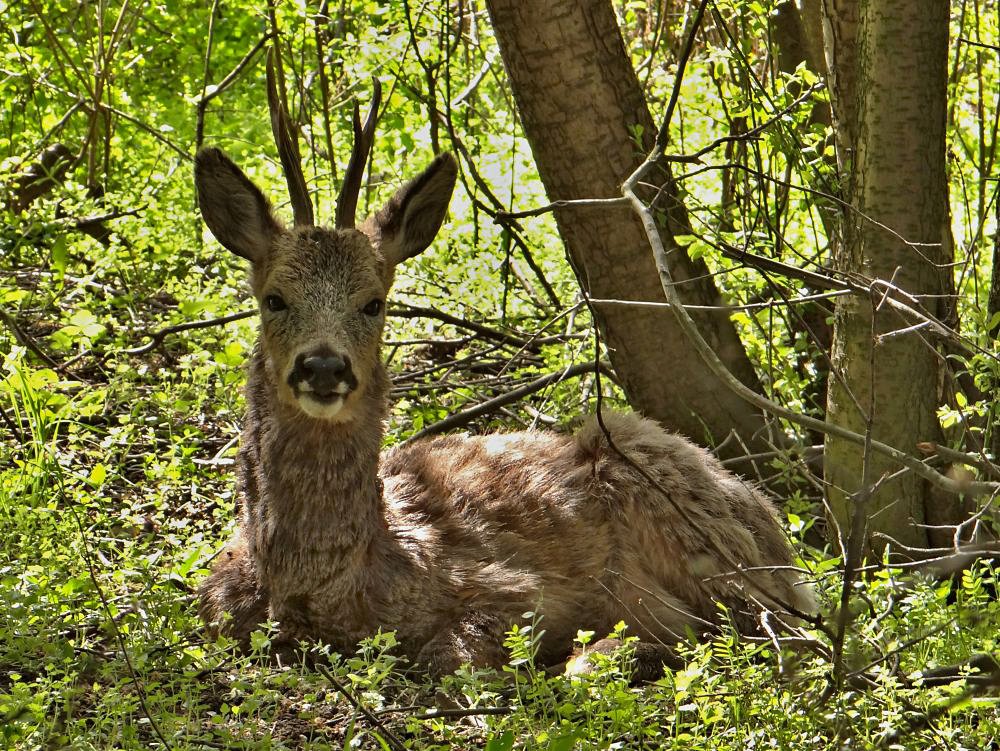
point(232, 601)
point(477, 640)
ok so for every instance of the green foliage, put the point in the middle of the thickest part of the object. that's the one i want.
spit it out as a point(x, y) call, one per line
point(115, 481)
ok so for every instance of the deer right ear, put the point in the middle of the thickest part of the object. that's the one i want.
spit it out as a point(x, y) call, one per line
point(408, 223)
point(234, 209)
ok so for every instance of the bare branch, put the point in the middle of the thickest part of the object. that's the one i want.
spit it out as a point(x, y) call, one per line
point(157, 337)
point(460, 419)
point(25, 340)
point(715, 364)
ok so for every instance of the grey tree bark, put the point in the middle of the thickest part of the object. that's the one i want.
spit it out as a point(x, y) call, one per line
point(589, 127)
point(888, 75)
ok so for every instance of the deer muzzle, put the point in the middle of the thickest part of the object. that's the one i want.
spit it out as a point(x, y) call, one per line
point(321, 378)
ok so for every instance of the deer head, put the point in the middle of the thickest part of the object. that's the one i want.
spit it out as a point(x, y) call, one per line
point(321, 291)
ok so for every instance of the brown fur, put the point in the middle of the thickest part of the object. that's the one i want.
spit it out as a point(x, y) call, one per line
point(449, 541)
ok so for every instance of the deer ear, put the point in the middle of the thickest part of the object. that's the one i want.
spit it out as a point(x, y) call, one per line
point(408, 223)
point(234, 209)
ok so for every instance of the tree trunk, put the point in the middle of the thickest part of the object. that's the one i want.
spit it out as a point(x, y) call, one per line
point(582, 109)
point(888, 68)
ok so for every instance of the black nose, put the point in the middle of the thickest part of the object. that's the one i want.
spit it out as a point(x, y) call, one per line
point(323, 371)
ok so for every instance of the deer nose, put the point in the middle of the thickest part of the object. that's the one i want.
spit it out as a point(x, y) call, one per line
point(323, 371)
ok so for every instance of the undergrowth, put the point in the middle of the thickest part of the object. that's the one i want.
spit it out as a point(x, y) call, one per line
point(117, 442)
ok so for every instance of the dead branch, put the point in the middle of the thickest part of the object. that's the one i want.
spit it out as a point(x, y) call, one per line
point(157, 337)
point(391, 738)
point(460, 419)
point(40, 176)
point(712, 360)
point(26, 340)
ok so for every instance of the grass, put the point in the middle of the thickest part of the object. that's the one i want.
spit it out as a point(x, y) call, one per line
point(115, 496)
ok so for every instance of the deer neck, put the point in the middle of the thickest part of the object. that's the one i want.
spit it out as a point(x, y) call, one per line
point(314, 509)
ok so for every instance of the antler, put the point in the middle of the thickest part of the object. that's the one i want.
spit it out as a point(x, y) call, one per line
point(364, 137)
point(288, 149)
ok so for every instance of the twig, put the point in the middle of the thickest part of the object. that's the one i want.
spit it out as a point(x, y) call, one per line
point(460, 419)
point(157, 337)
point(416, 311)
point(206, 95)
point(433, 714)
point(106, 606)
point(505, 217)
point(729, 308)
point(892, 739)
point(26, 340)
point(854, 547)
point(457, 713)
point(719, 369)
point(663, 134)
point(410, 311)
point(82, 221)
point(747, 135)
point(980, 462)
point(983, 45)
point(199, 130)
point(495, 209)
point(14, 428)
point(987, 665)
point(391, 738)
point(948, 560)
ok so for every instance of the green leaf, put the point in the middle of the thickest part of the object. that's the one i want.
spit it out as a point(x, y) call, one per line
point(562, 742)
point(795, 522)
point(59, 255)
point(503, 742)
point(97, 475)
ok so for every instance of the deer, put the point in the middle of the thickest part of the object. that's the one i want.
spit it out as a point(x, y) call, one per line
point(450, 540)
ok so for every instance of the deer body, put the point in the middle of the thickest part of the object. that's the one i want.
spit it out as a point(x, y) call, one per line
point(449, 541)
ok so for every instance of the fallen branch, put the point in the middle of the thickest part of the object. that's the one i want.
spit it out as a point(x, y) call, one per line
point(25, 340)
point(391, 738)
point(41, 176)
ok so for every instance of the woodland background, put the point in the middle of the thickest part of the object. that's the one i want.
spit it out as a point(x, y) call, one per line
point(814, 293)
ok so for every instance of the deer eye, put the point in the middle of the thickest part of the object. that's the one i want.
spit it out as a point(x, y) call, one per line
point(373, 308)
point(275, 303)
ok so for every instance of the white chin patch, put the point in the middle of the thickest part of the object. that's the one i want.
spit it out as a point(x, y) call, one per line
point(321, 410)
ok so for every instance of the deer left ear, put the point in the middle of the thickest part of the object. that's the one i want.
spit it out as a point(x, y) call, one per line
point(408, 223)
point(233, 207)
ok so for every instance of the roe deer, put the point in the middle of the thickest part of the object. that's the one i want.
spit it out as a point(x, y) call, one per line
point(448, 541)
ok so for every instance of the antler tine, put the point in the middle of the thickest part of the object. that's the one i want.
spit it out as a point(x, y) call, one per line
point(364, 138)
point(288, 149)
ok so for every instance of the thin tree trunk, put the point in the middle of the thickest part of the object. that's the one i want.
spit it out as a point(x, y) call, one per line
point(888, 69)
point(583, 110)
